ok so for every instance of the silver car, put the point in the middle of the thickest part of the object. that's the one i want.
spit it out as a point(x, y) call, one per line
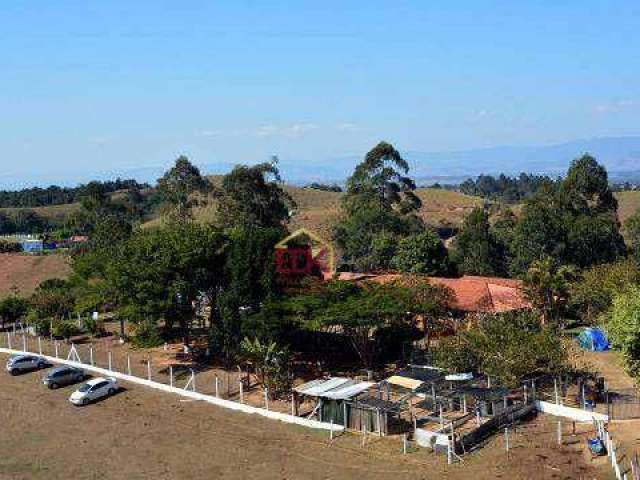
point(25, 363)
point(61, 376)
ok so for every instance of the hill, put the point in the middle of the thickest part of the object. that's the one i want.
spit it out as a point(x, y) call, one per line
point(628, 204)
point(318, 209)
point(25, 272)
point(51, 212)
point(621, 156)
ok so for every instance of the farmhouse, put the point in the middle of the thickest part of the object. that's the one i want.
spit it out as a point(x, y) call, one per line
point(471, 294)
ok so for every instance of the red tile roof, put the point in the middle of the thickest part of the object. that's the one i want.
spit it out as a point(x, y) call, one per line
point(471, 293)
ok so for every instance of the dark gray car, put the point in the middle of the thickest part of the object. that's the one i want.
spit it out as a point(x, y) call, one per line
point(61, 376)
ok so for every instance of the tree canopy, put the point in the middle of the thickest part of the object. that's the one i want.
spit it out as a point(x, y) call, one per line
point(178, 185)
point(253, 196)
point(377, 210)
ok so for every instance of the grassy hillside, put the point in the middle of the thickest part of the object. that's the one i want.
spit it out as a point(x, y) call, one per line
point(317, 209)
point(25, 272)
point(51, 212)
point(628, 204)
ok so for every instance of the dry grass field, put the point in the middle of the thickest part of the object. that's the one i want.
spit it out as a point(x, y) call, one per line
point(50, 212)
point(144, 434)
point(25, 272)
point(628, 204)
point(317, 209)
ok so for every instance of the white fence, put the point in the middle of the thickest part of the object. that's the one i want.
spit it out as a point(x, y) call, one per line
point(241, 407)
point(577, 414)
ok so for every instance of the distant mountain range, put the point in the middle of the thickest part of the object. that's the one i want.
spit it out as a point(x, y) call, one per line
point(621, 156)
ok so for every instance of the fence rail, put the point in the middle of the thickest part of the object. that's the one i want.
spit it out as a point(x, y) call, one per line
point(17, 344)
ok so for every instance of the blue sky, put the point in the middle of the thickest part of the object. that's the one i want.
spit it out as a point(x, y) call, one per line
point(101, 85)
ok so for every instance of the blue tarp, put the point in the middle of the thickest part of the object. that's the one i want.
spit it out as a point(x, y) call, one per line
point(593, 339)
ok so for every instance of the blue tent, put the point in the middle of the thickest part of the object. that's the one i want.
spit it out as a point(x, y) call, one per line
point(593, 339)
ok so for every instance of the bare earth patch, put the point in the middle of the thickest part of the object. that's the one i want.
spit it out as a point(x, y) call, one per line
point(140, 433)
point(25, 272)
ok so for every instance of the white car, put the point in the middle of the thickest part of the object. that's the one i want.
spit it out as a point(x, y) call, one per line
point(93, 390)
point(25, 363)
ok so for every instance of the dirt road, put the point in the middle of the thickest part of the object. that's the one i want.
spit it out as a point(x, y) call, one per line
point(143, 434)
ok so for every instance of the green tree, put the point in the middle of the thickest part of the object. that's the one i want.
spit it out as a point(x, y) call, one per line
point(422, 253)
point(586, 187)
point(547, 286)
point(382, 176)
point(624, 328)
point(160, 274)
point(53, 299)
point(378, 207)
point(249, 281)
point(539, 233)
point(632, 226)
point(593, 292)
point(508, 347)
point(361, 312)
point(271, 363)
point(12, 309)
point(474, 249)
point(253, 197)
point(179, 185)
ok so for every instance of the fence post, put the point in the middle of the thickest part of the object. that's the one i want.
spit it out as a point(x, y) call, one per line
point(217, 387)
point(526, 400)
point(55, 343)
point(331, 431)
point(128, 364)
point(9, 340)
point(364, 434)
point(171, 375)
point(404, 444)
point(559, 432)
point(555, 390)
point(91, 355)
point(149, 369)
point(345, 419)
point(533, 390)
point(110, 357)
point(39, 345)
point(506, 438)
point(24, 342)
point(464, 404)
point(241, 386)
point(266, 398)
point(193, 380)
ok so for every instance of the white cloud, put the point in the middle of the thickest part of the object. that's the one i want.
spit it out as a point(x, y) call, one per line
point(615, 106)
point(347, 127)
point(295, 130)
point(211, 133)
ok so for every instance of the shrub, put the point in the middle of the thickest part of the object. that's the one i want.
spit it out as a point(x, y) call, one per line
point(147, 335)
point(421, 253)
point(508, 347)
point(65, 329)
point(624, 328)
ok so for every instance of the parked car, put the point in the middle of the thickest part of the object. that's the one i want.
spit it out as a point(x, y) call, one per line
point(93, 390)
point(61, 376)
point(25, 363)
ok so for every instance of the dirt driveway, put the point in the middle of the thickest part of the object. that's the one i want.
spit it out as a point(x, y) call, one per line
point(141, 433)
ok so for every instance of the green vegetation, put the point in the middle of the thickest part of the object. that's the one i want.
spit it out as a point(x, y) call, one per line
point(633, 230)
point(508, 347)
point(211, 259)
point(504, 188)
point(54, 195)
point(624, 327)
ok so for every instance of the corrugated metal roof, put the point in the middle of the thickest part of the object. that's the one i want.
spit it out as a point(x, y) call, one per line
point(336, 388)
point(350, 391)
